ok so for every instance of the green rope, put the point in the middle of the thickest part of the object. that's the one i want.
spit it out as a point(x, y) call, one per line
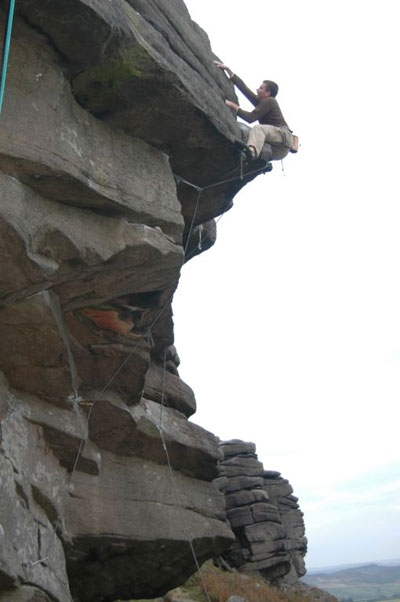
point(6, 50)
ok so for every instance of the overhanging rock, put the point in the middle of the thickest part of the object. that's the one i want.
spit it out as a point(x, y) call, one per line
point(146, 68)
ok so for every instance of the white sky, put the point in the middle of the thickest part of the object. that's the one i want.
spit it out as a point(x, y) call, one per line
point(289, 327)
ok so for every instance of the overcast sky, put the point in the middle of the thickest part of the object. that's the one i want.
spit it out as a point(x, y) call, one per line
point(289, 327)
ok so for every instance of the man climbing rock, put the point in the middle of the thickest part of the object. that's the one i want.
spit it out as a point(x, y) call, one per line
point(271, 127)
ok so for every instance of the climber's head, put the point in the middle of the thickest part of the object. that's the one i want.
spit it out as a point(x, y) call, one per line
point(267, 88)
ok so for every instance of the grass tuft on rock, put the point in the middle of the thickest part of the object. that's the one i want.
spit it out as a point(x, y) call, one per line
point(220, 585)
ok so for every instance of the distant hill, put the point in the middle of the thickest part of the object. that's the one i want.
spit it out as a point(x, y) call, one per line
point(370, 582)
point(339, 567)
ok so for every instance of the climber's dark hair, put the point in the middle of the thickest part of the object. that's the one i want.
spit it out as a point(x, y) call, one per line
point(271, 87)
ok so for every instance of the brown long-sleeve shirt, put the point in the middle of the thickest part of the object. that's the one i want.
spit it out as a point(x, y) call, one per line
point(266, 112)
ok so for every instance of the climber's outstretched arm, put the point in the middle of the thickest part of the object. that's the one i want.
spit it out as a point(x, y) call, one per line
point(239, 83)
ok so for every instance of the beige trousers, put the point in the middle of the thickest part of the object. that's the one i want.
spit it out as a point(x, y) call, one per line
point(280, 139)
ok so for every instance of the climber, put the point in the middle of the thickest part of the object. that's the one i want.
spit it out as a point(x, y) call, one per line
point(272, 127)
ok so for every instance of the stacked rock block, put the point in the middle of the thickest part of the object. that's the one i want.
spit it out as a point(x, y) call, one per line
point(281, 495)
point(263, 514)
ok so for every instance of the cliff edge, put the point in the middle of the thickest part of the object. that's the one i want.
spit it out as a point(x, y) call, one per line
point(115, 149)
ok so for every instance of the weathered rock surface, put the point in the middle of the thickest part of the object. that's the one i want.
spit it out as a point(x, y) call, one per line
point(263, 514)
point(116, 155)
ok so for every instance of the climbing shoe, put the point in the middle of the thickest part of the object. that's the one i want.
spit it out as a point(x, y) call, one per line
point(247, 150)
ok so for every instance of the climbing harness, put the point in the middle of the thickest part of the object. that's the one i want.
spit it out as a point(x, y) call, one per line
point(6, 50)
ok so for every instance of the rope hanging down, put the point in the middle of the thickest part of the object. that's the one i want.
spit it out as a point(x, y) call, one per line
point(147, 333)
point(172, 479)
point(6, 50)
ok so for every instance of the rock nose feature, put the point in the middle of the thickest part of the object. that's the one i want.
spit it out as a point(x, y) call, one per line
point(116, 154)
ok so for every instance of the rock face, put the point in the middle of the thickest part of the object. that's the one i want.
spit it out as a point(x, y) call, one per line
point(263, 514)
point(116, 155)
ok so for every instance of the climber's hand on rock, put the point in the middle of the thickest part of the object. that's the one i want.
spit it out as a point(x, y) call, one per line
point(224, 67)
point(231, 105)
